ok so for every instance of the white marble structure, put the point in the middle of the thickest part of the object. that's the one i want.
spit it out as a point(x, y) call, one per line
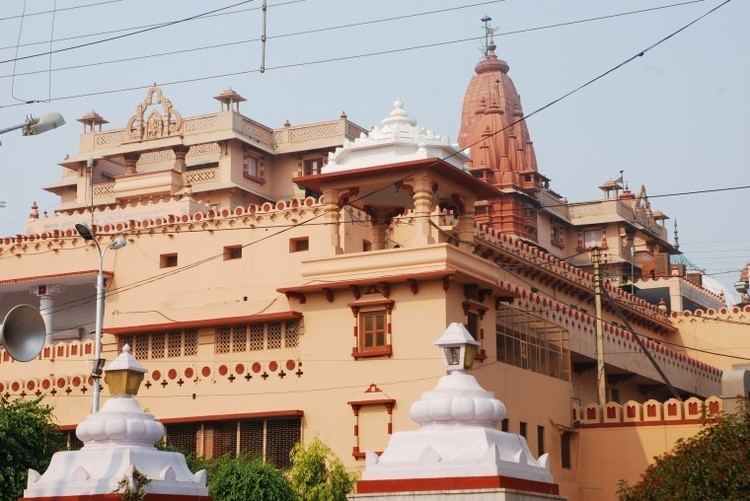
point(117, 439)
point(458, 446)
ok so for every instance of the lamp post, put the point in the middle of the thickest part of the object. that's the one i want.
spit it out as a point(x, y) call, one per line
point(118, 243)
point(33, 126)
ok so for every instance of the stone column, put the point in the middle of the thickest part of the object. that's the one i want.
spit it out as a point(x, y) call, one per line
point(466, 225)
point(130, 160)
point(179, 157)
point(422, 198)
point(379, 226)
point(46, 295)
point(332, 216)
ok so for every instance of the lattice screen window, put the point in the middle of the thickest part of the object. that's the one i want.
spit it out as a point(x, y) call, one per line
point(122, 341)
point(281, 436)
point(157, 345)
point(291, 334)
point(182, 437)
point(239, 338)
point(140, 347)
point(251, 438)
point(257, 337)
point(223, 340)
point(174, 344)
point(190, 342)
point(224, 438)
point(273, 335)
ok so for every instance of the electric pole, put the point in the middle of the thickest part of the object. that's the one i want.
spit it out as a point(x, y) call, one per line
point(601, 376)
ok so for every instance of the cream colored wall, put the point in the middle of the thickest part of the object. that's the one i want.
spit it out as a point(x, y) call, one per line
point(607, 455)
point(718, 339)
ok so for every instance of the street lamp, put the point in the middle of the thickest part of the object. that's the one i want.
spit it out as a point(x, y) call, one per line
point(33, 126)
point(118, 243)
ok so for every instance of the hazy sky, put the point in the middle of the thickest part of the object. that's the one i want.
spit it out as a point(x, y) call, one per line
point(674, 120)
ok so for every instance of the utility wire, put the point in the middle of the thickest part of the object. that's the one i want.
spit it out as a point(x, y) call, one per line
point(41, 12)
point(270, 37)
point(153, 278)
point(358, 56)
point(129, 28)
point(124, 35)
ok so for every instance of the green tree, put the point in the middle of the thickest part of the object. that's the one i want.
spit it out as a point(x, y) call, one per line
point(244, 479)
point(714, 464)
point(317, 474)
point(28, 438)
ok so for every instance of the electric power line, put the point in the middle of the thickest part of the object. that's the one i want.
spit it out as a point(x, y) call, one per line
point(336, 59)
point(160, 276)
point(72, 7)
point(124, 35)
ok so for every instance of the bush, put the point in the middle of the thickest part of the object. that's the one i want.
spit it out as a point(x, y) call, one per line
point(28, 438)
point(317, 474)
point(714, 464)
point(244, 479)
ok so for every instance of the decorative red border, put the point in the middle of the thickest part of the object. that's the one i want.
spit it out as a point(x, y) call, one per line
point(455, 483)
point(209, 322)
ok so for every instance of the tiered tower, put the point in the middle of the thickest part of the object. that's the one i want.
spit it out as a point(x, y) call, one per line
point(502, 153)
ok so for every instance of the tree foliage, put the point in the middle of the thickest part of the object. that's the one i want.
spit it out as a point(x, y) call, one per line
point(317, 474)
point(714, 464)
point(242, 479)
point(28, 438)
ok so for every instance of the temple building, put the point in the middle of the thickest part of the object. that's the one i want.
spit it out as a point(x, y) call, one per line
point(286, 282)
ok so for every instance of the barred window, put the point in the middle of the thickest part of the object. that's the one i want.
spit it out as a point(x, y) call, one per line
point(270, 440)
point(251, 438)
point(257, 337)
point(223, 338)
point(173, 344)
point(291, 334)
point(239, 338)
point(225, 438)
point(190, 342)
point(157, 345)
point(274, 335)
point(182, 437)
point(281, 436)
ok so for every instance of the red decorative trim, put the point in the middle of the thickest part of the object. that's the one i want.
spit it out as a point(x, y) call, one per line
point(628, 424)
point(388, 402)
point(483, 190)
point(210, 322)
point(384, 351)
point(389, 279)
point(116, 497)
point(455, 483)
point(54, 276)
point(228, 417)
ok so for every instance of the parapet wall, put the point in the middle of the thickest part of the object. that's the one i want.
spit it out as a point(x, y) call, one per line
point(649, 413)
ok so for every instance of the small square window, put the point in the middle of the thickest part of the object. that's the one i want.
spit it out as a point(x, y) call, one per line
point(372, 330)
point(168, 260)
point(299, 244)
point(250, 167)
point(592, 238)
point(313, 166)
point(232, 252)
point(505, 425)
point(523, 430)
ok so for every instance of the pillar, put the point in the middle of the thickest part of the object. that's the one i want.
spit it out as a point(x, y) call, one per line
point(332, 215)
point(130, 160)
point(422, 197)
point(179, 157)
point(466, 225)
point(46, 295)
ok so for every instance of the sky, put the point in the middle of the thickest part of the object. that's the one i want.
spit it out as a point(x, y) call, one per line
point(675, 119)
